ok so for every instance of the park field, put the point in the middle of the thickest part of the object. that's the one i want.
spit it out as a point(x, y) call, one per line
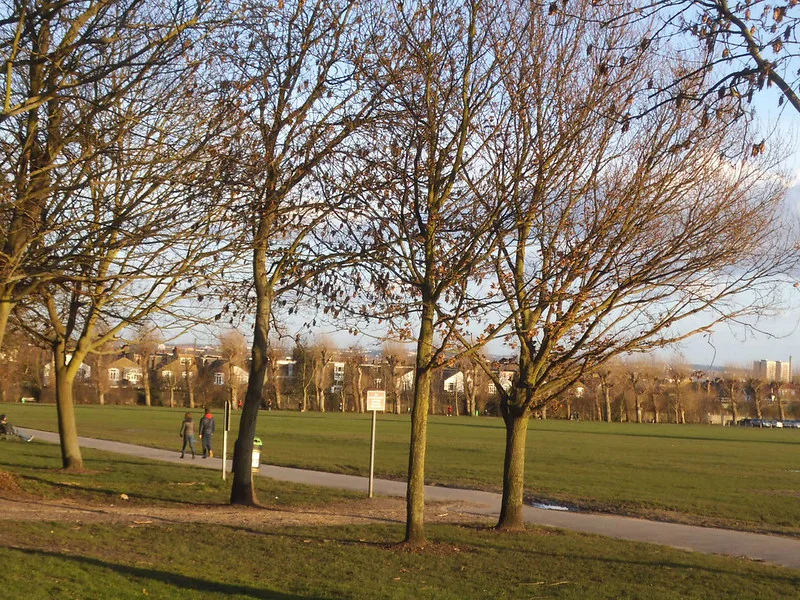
point(73, 536)
point(739, 478)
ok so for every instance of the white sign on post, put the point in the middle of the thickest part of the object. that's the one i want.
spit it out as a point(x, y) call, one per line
point(376, 400)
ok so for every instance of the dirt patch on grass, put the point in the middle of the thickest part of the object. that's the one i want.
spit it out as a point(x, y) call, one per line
point(9, 485)
point(375, 510)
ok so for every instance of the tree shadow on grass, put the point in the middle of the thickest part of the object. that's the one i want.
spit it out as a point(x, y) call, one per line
point(181, 582)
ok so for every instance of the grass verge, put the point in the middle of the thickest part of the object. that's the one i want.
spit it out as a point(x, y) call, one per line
point(739, 478)
point(355, 562)
point(108, 476)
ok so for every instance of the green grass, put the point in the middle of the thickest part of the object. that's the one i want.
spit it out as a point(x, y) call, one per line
point(734, 477)
point(107, 476)
point(164, 559)
point(191, 560)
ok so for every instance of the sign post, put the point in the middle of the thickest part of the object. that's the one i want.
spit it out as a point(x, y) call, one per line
point(376, 401)
point(225, 439)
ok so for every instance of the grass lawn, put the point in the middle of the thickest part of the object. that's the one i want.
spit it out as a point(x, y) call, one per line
point(735, 477)
point(107, 476)
point(165, 558)
point(202, 560)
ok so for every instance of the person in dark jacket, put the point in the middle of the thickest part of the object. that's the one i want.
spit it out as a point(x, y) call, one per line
point(8, 429)
point(187, 433)
point(207, 429)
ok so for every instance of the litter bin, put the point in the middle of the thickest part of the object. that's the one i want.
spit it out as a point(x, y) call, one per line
point(256, 462)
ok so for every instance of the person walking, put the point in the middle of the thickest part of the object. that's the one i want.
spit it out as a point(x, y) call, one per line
point(8, 429)
point(187, 433)
point(207, 428)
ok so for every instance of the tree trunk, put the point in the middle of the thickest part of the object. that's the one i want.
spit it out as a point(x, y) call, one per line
point(67, 429)
point(516, 422)
point(395, 391)
point(415, 492)
point(101, 397)
point(470, 394)
point(278, 401)
point(189, 386)
point(358, 392)
point(638, 401)
point(606, 404)
point(6, 307)
point(781, 411)
point(242, 489)
point(758, 406)
point(148, 395)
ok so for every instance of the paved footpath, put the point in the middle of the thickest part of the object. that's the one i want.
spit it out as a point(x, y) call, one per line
point(772, 549)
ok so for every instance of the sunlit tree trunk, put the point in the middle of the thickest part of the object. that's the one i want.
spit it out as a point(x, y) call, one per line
point(148, 393)
point(242, 489)
point(5, 311)
point(516, 422)
point(65, 407)
point(415, 493)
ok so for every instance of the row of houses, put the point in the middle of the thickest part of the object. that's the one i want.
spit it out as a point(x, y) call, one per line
point(180, 367)
point(170, 368)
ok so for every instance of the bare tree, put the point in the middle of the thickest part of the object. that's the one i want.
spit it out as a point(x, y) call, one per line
point(678, 374)
point(233, 348)
point(320, 360)
point(392, 354)
point(420, 218)
point(138, 235)
point(56, 55)
point(278, 379)
point(295, 65)
point(635, 379)
point(148, 339)
point(741, 48)
point(618, 231)
point(754, 388)
point(776, 392)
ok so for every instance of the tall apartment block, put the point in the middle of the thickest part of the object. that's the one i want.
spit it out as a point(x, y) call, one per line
point(773, 370)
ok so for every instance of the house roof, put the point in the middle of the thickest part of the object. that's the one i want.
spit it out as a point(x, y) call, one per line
point(124, 363)
point(176, 367)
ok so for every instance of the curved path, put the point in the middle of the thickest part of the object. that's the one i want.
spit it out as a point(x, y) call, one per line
point(773, 549)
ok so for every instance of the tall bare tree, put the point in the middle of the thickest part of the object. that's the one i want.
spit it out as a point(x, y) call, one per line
point(55, 55)
point(420, 216)
point(139, 233)
point(619, 231)
point(296, 67)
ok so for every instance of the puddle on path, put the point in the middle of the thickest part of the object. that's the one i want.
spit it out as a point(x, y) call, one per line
point(544, 506)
